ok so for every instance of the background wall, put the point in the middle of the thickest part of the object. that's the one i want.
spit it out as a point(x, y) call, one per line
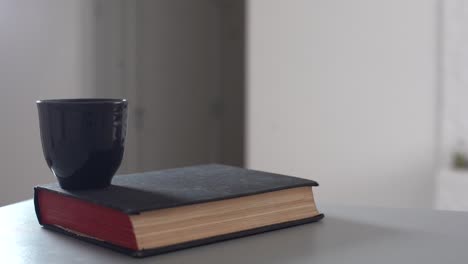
point(44, 54)
point(454, 66)
point(179, 63)
point(177, 83)
point(232, 80)
point(344, 92)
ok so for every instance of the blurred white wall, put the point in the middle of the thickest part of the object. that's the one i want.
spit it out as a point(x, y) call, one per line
point(454, 80)
point(344, 92)
point(43, 54)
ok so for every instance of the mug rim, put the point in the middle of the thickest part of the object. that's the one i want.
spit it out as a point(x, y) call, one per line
point(82, 101)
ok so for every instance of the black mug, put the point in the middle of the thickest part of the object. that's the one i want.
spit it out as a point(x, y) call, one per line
point(83, 140)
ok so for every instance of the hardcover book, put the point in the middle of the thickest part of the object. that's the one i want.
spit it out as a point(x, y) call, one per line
point(161, 211)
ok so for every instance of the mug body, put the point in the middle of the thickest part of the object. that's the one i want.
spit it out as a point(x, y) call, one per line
point(83, 140)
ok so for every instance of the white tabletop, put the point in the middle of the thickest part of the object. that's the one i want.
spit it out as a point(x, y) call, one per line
point(345, 235)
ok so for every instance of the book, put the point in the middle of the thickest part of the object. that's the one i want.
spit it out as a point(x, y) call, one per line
point(161, 211)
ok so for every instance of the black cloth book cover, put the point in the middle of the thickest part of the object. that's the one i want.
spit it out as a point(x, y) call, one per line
point(140, 192)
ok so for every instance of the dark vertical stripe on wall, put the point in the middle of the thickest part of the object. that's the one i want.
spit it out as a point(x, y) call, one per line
point(232, 81)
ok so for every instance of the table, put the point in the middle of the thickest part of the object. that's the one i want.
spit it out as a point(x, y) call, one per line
point(451, 186)
point(346, 235)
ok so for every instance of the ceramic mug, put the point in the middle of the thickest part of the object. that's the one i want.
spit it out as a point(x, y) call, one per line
point(83, 140)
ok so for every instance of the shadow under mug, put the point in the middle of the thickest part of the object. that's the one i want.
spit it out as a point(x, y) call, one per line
point(83, 140)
